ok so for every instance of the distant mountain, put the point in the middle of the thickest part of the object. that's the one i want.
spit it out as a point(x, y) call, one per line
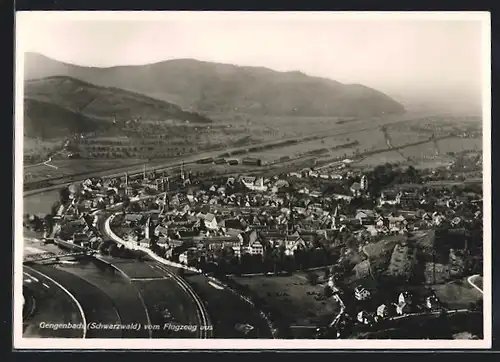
point(60, 105)
point(213, 88)
point(457, 103)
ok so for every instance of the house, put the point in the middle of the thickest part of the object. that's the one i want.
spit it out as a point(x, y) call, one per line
point(161, 230)
point(396, 223)
point(248, 237)
point(409, 197)
point(144, 243)
point(403, 308)
point(365, 217)
point(132, 219)
point(189, 256)
point(372, 230)
point(347, 198)
point(381, 222)
point(362, 317)
point(361, 293)
point(211, 222)
point(427, 217)
point(232, 224)
point(316, 194)
point(81, 239)
point(382, 311)
point(256, 248)
point(390, 197)
point(404, 297)
point(294, 244)
point(437, 219)
point(432, 302)
point(168, 252)
point(356, 189)
point(254, 184)
point(230, 181)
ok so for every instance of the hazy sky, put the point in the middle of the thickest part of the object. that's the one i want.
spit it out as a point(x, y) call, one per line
point(390, 53)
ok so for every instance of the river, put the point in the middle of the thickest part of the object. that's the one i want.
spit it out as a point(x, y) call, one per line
point(40, 203)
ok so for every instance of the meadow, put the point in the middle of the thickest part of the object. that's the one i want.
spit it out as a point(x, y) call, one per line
point(459, 144)
point(292, 296)
point(381, 158)
point(421, 152)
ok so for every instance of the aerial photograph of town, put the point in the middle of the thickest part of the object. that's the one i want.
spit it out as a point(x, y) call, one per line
point(251, 177)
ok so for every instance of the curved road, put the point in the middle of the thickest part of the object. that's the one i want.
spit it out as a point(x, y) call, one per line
point(474, 280)
point(51, 304)
point(190, 300)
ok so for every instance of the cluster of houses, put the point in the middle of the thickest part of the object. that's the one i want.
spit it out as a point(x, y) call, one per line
point(252, 215)
point(405, 304)
point(367, 310)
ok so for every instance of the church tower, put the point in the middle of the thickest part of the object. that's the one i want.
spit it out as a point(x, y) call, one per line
point(336, 219)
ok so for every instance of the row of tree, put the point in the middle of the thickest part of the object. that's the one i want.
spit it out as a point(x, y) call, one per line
point(224, 261)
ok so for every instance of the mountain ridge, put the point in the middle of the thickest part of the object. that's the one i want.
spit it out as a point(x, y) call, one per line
point(212, 88)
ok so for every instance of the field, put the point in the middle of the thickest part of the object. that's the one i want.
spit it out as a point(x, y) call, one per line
point(425, 239)
point(402, 261)
point(459, 144)
point(380, 158)
point(330, 146)
point(457, 294)
point(289, 295)
point(434, 163)
point(422, 152)
point(380, 252)
point(38, 148)
point(403, 133)
point(369, 140)
point(382, 247)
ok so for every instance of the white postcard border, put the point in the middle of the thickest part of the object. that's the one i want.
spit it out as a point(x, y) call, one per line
point(25, 17)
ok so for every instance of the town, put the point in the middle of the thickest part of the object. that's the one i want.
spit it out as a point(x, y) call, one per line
point(374, 240)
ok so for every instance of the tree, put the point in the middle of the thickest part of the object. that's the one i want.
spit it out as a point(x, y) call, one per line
point(48, 222)
point(64, 195)
point(103, 247)
point(55, 206)
point(312, 278)
point(327, 273)
point(113, 250)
